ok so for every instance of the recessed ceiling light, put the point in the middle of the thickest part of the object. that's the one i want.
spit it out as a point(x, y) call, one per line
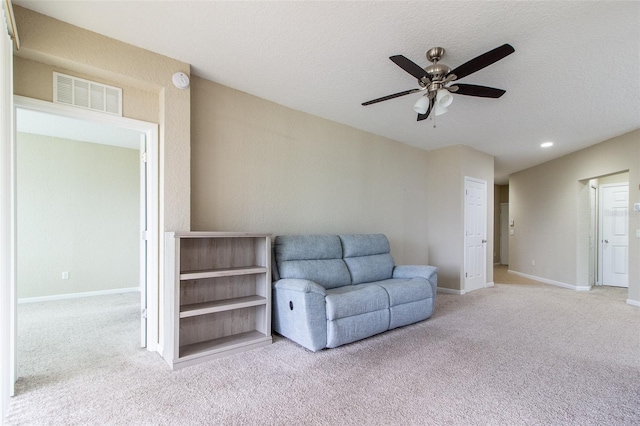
point(546, 144)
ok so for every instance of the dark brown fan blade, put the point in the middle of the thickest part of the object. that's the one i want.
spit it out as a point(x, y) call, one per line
point(409, 66)
point(386, 98)
point(426, 114)
point(481, 91)
point(484, 60)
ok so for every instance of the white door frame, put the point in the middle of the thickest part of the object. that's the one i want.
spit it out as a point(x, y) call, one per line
point(150, 130)
point(145, 235)
point(484, 224)
point(594, 232)
point(7, 216)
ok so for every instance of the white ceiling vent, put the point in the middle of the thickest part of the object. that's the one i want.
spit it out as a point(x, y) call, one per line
point(86, 94)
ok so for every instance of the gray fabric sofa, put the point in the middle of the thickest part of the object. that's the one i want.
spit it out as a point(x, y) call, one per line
point(330, 290)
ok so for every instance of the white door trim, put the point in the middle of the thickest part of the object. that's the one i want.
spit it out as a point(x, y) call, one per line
point(7, 221)
point(466, 286)
point(144, 235)
point(594, 209)
point(153, 185)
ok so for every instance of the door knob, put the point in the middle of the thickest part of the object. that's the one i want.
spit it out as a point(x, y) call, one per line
point(606, 241)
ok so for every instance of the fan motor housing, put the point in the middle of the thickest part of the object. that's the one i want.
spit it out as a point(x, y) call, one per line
point(437, 71)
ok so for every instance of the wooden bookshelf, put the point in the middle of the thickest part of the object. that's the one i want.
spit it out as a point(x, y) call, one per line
point(218, 295)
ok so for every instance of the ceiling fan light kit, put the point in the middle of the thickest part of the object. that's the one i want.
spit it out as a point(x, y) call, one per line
point(422, 105)
point(443, 99)
point(436, 80)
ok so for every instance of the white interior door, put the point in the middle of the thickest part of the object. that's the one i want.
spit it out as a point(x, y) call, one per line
point(504, 233)
point(614, 235)
point(475, 241)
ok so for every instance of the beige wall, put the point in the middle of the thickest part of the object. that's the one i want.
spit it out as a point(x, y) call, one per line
point(504, 193)
point(549, 204)
point(78, 211)
point(35, 80)
point(447, 168)
point(616, 178)
point(258, 166)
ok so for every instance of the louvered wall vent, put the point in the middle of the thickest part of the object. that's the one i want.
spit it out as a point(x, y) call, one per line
point(86, 94)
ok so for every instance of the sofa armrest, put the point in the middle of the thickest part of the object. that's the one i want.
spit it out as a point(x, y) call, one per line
point(430, 273)
point(300, 285)
point(299, 312)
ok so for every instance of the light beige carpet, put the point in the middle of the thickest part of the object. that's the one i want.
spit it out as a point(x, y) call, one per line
point(526, 354)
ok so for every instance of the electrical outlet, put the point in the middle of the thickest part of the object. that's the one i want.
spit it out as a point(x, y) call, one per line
point(65, 275)
point(533, 262)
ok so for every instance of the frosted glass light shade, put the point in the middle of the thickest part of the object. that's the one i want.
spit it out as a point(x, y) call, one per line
point(444, 98)
point(422, 105)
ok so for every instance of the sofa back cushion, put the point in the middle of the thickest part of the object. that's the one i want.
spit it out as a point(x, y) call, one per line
point(312, 257)
point(368, 257)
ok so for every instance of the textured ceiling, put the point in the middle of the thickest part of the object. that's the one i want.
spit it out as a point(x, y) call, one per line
point(574, 78)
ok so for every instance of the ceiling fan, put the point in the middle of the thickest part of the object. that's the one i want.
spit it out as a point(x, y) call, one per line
point(434, 78)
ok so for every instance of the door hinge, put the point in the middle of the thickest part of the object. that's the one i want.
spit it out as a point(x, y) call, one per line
point(143, 312)
point(143, 157)
point(145, 235)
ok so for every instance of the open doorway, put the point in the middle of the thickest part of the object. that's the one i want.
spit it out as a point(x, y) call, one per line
point(78, 198)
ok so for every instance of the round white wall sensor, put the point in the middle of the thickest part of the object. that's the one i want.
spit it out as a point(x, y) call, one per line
point(180, 80)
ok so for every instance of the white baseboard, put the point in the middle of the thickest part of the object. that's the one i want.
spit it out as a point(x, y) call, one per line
point(450, 291)
point(460, 292)
point(552, 282)
point(633, 303)
point(78, 295)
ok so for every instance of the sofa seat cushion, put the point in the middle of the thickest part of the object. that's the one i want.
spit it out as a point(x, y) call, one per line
point(410, 300)
point(404, 290)
point(354, 300)
point(350, 329)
